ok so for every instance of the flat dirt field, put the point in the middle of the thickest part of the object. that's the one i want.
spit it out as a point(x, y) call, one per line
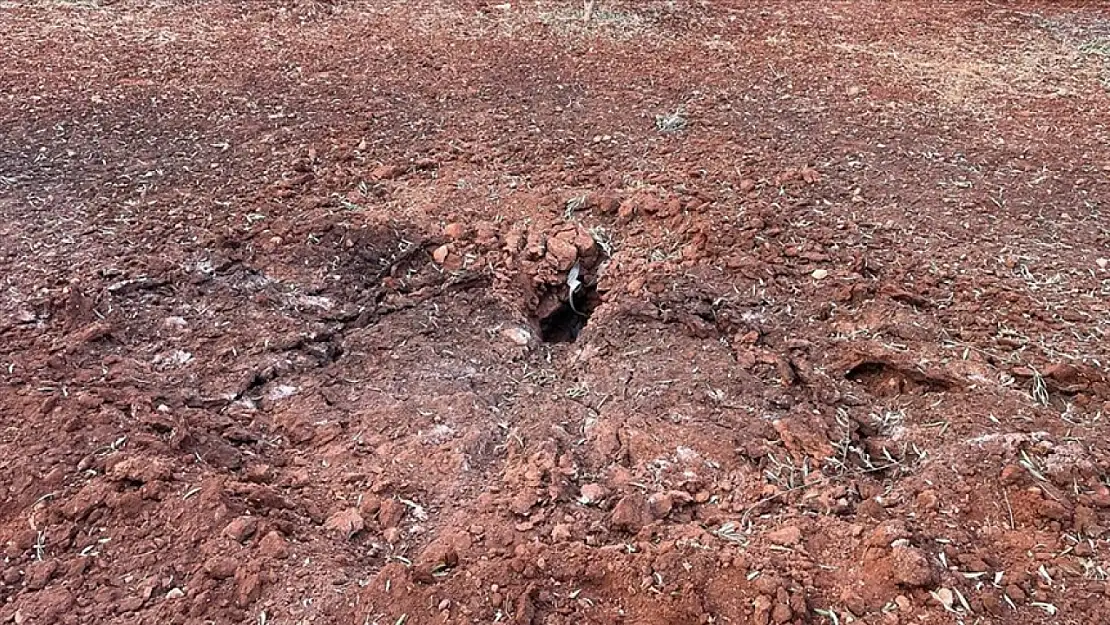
point(385, 312)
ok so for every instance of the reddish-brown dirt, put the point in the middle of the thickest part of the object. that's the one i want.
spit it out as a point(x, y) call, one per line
point(285, 338)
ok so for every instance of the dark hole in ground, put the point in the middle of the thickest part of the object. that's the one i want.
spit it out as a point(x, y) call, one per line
point(566, 322)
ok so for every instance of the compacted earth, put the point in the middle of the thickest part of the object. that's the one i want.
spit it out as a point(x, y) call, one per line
point(650, 312)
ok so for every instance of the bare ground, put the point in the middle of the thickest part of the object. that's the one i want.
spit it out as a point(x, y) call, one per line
point(287, 333)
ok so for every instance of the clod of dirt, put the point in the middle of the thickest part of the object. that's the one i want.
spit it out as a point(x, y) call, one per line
point(220, 567)
point(911, 567)
point(630, 514)
point(391, 513)
point(39, 574)
point(785, 536)
point(140, 469)
point(517, 336)
point(347, 522)
point(274, 546)
point(241, 528)
point(522, 503)
point(592, 493)
point(660, 505)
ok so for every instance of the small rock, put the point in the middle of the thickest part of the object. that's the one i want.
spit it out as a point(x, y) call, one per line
point(781, 613)
point(912, 568)
point(820, 274)
point(175, 593)
point(273, 546)
point(391, 513)
point(241, 528)
point(140, 469)
point(39, 574)
point(387, 172)
point(517, 336)
point(220, 567)
point(945, 597)
point(785, 536)
point(561, 532)
point(747, 185)
point(1015, 593)
point(1012, 474)
point(441, 253)
point(454, 231)
point(258, 473)
point(347, 522)
point(129, 604)
point(592, 493)
point(562, 252)
point(369, 505)
point(248, 587)
point(660, 505)
point(175, 323)
point(521, 505)
point(629, 514)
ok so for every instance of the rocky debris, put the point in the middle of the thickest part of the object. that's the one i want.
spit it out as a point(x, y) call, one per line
point(220, 567)
point(517, 336)
point(629, 514)
point(660, 505)
point(347, 522)
point(240, 529)
point(787, 536)
point(39, 574)
point(911, 567)
point(140, 469)
point(522, 503)
point(592, 494)
point(391, 513)
point(273, 546)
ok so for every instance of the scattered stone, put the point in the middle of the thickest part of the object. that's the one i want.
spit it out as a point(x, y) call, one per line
point(220, 567)
point(592, 493)
point(241, 528)
point(912, 568)
point(175, 593)
point(747, 185)
point(273, 545)
point(820, 274)
point(39, 574)
point(387, 172)
point(140, 469)
point(130, 604)
point(561, 532)
point(562, 252)
point(945, 597)
point(347, 522)
point(781, 613)
point(630, 514)
point(521, 505)
point(785, 536)
point(248, 586)
point(660, 505)
point(454, 231)
point(517, 336)
point(886, 533)
point(391, 513)
point(441, 253)
point(369, 505)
